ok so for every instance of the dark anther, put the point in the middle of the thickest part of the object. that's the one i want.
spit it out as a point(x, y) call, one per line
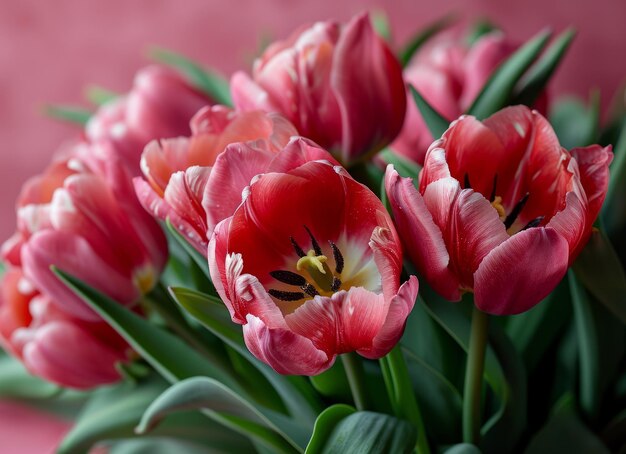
point(466, 182)
point(517, 209)
point(288, 277)
point(534, 223)
point(493, 190)
point(298, 249)
point(286, 296)
point(309, 289)
point(338, 257)
point(335, 285)
point(314, 243)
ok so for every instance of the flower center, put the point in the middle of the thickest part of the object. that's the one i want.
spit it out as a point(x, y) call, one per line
point(314, 275)
point(507, 219)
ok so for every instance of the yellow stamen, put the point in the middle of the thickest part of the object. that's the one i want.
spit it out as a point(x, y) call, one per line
point(316, 267)
point(497, 204)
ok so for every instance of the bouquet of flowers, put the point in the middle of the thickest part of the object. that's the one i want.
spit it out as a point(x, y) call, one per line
point(350, 248)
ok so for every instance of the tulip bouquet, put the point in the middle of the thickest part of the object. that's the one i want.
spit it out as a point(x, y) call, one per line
point(350, 248)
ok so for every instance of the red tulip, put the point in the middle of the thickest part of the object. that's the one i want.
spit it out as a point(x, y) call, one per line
point(160, 104)
point(196, 182)
point(340, 86)
point(502, 209)
point(53, 344)
point(310, 265)
point(449, 75)
point(90, 225)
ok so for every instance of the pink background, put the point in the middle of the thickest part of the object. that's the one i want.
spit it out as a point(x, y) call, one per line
point(50, 50)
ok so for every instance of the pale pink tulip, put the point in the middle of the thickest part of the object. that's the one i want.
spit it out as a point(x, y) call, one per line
point(160, 104)
point(449, 75)
point(90, 225)
point(52, 344)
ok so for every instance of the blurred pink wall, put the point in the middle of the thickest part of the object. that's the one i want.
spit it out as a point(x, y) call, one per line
point(50, 50)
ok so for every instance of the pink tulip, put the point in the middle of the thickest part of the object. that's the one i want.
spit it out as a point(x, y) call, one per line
point(449, 75)
point(53, 344)
point(90, 225)
point(501, 211)
point(340, 86)
point(196, 182)
point(160, 104)
point(310, 265)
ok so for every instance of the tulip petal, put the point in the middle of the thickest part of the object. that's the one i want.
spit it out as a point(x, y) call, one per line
point(67, 354)
point(471, 227)
point(381, 93)
point(571, 224)
point(298, 152)
point(285, 351)
point(520, 272)
point(421, 236)
point(399, 309)
point(345, 322)
point(70, 253)
point(593, 164)
point(231, 174)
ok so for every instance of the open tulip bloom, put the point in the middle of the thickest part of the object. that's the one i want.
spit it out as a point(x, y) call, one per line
point(292, 256)
point(501, 209)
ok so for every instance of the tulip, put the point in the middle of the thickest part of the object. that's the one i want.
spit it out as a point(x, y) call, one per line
point(160, 104)
point(449, 75)
point(310, 265)
point(197, 182)
point(88, 226)
point(52, 344)
point(501, 210)
point(340, 86)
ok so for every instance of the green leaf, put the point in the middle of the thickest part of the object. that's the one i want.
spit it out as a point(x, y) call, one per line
point(296, 393)
point(480, 29)
point(534, 331)
point(439, 400)
point(462, 448)
point(613, 213)
point(221, 404)
point(16, 381)
point(207, 81)
point(405, 167)
point(362, 432)
point(498, 90)
point(435, 122)
point(601, 345)
point(164, 445)
point(564, 432)
point(575, 124)
point(423, 36)
point(333, 383)
point(536, 79)
point(380, 22)
point(198, 258)
point(99, 95)
point(169, 355)
point(599, 269)
point(113, 412)
point(504, 370)
point(71, 114)
point(325, 424)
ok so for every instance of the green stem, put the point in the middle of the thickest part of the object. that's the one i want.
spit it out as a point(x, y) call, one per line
point(401, 395)
point(474, 377)
point(356, 378)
